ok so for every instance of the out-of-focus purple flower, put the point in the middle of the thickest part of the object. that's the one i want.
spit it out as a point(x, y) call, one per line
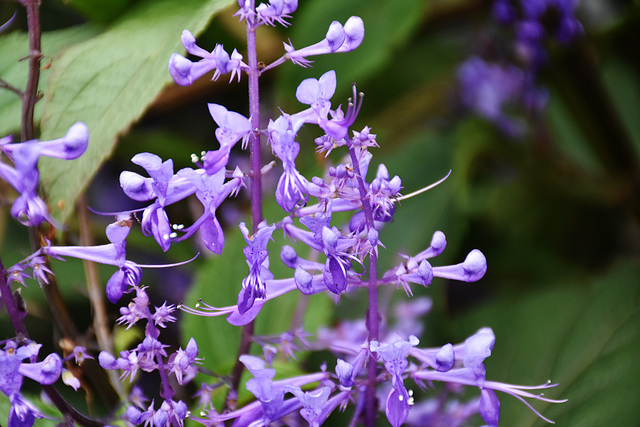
point(339, 38)
point(489, 89)
point(29, 208)
point(489, 407)
point(555, 18)
point(254, 285)
point(128, 274)
point(184, 72)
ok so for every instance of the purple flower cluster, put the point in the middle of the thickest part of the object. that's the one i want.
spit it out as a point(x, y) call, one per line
point(536, 21)
point(151, 355)
point(495, 89)
point(342, 255)
point(373, 360)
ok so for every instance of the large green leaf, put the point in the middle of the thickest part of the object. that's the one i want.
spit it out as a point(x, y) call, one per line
point(14, 47)
point(584, 336)
point(387, 26)
point(108, 82)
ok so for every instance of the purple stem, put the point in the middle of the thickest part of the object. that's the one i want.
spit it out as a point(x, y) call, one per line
point(30, 94)
point(255, 179)
point(373, 317)
point(167, 391)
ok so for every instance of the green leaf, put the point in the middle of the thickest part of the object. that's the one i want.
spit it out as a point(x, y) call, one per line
point(387, 27)
point(108, 82)
point(583, 337)
point(13, 69)
point(100, 11)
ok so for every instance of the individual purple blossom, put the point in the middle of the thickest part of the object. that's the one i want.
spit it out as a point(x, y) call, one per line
point(163, 186)
point(211, 191)
point(292, 186)
point(40, 270)
point(418, 270)
point(339, 38)
point(257, 255)
point(182, 362)
point(29, 208)
point(316, 405)
point(262, 387)
point(317, 94)
point(128, 274)
point(232, 126)
point(394, 356)
point(469, 370)
point(12, 372)
point(185, 72)
point(276, 11)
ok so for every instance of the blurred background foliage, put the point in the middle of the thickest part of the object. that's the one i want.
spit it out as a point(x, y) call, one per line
point(556, 210)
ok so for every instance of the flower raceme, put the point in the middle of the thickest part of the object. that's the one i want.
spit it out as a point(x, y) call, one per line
point(343, 256)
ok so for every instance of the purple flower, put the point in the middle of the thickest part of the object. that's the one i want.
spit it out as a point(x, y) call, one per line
point(489, 407)
point(211, 191)
point(292, 186)
point(232, 126)
point(182, 363)
point(488, 89)
point(254, 285)
point(13, 370)
point(339, 38)
point(184, 72)
point(317, 94)
point(394, 356)
point(128, 274)
point(276, 11)
point(313, 403)
point(29, 208)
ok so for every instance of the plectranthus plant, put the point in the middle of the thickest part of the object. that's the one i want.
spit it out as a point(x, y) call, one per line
point(375, 364)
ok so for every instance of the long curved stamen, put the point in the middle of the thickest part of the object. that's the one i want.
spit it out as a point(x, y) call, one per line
point(422, 190)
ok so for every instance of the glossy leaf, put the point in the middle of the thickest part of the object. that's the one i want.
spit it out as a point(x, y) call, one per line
point(583, 336)
point(108, 82)
point(14, 47)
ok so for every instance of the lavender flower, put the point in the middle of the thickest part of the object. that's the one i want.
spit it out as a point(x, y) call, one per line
point(185, 72)
point(339, 38)
point(394, 356)
point(254, 286)
point(128, 274)
point(29, 208)
point(13, 370)
point(489, 89)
